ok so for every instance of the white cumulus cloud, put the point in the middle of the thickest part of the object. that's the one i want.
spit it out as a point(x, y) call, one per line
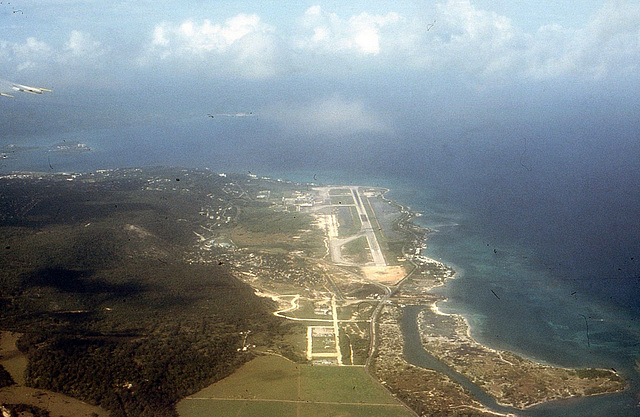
point(477, 45)
point(242, 45)
point(464, 39)
point(69, 59)
point(189, 37)
point(81, 44)
point(330, 33)
point(30, 53)
point(484, 45)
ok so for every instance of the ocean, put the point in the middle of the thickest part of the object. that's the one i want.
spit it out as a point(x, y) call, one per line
point(543, 229)
point(514, 300)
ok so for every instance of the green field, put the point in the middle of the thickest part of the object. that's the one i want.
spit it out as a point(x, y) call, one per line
point(342, 199)
point(357, 250)
point(274, 386)
point(349, 221)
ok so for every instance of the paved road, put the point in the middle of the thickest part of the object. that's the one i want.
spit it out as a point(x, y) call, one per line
point(336, 329)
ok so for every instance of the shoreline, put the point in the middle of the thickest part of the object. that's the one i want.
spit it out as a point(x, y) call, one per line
point(456, 274)
point(434, 308)
point(525, 362)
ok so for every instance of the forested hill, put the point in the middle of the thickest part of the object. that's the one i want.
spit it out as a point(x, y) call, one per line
point(95, 274)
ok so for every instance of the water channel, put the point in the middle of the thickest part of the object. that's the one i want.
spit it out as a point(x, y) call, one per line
point(600, 405)
point(416, 355)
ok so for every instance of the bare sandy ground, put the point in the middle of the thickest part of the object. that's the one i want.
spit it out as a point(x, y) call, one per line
point(384, 274)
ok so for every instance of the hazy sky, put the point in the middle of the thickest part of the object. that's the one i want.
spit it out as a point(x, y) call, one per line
point(317, 68)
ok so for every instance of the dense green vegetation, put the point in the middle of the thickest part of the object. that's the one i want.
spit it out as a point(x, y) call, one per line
point(5, 378)
point(17, 410)
point(134, 377)
point(95, 274)
point(596, 373)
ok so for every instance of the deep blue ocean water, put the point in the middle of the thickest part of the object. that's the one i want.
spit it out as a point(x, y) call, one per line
point(542, 229)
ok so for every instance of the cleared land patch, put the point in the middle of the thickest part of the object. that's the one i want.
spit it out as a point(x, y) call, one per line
point(339, 191)
point(14, 361)
point(272, 385)
point(384, 274)
point(58, 405)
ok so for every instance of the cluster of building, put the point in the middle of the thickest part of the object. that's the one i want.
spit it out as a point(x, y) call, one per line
point(300, 200)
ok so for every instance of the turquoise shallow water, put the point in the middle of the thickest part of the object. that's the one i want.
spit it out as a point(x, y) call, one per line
point(515, 301)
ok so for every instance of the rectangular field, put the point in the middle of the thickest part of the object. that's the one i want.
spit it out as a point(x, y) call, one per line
point(349, 221)
point(274, 386)
point(342, 199)
point(254, 408)
point(352, 410)
point(341, 384)
point(266, 377)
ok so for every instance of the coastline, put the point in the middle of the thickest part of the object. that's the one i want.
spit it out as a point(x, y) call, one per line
point(418, 288)
point(605, 381)
point(426, 391)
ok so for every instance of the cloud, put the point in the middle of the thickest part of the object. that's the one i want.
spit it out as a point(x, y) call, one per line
point(335, 116)
point(453, 37)
point(327, 32)
point(79, 51)
point(30, 47)
point(82, 45)
point(191, 38)
point(476, 46)
point(457, 37)
point(608, 45)
point(243, 46)
point(484, 45)
point(610, 42)
point(30, 53)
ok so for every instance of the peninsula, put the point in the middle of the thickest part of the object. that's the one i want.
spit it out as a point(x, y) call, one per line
point(204, 286)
